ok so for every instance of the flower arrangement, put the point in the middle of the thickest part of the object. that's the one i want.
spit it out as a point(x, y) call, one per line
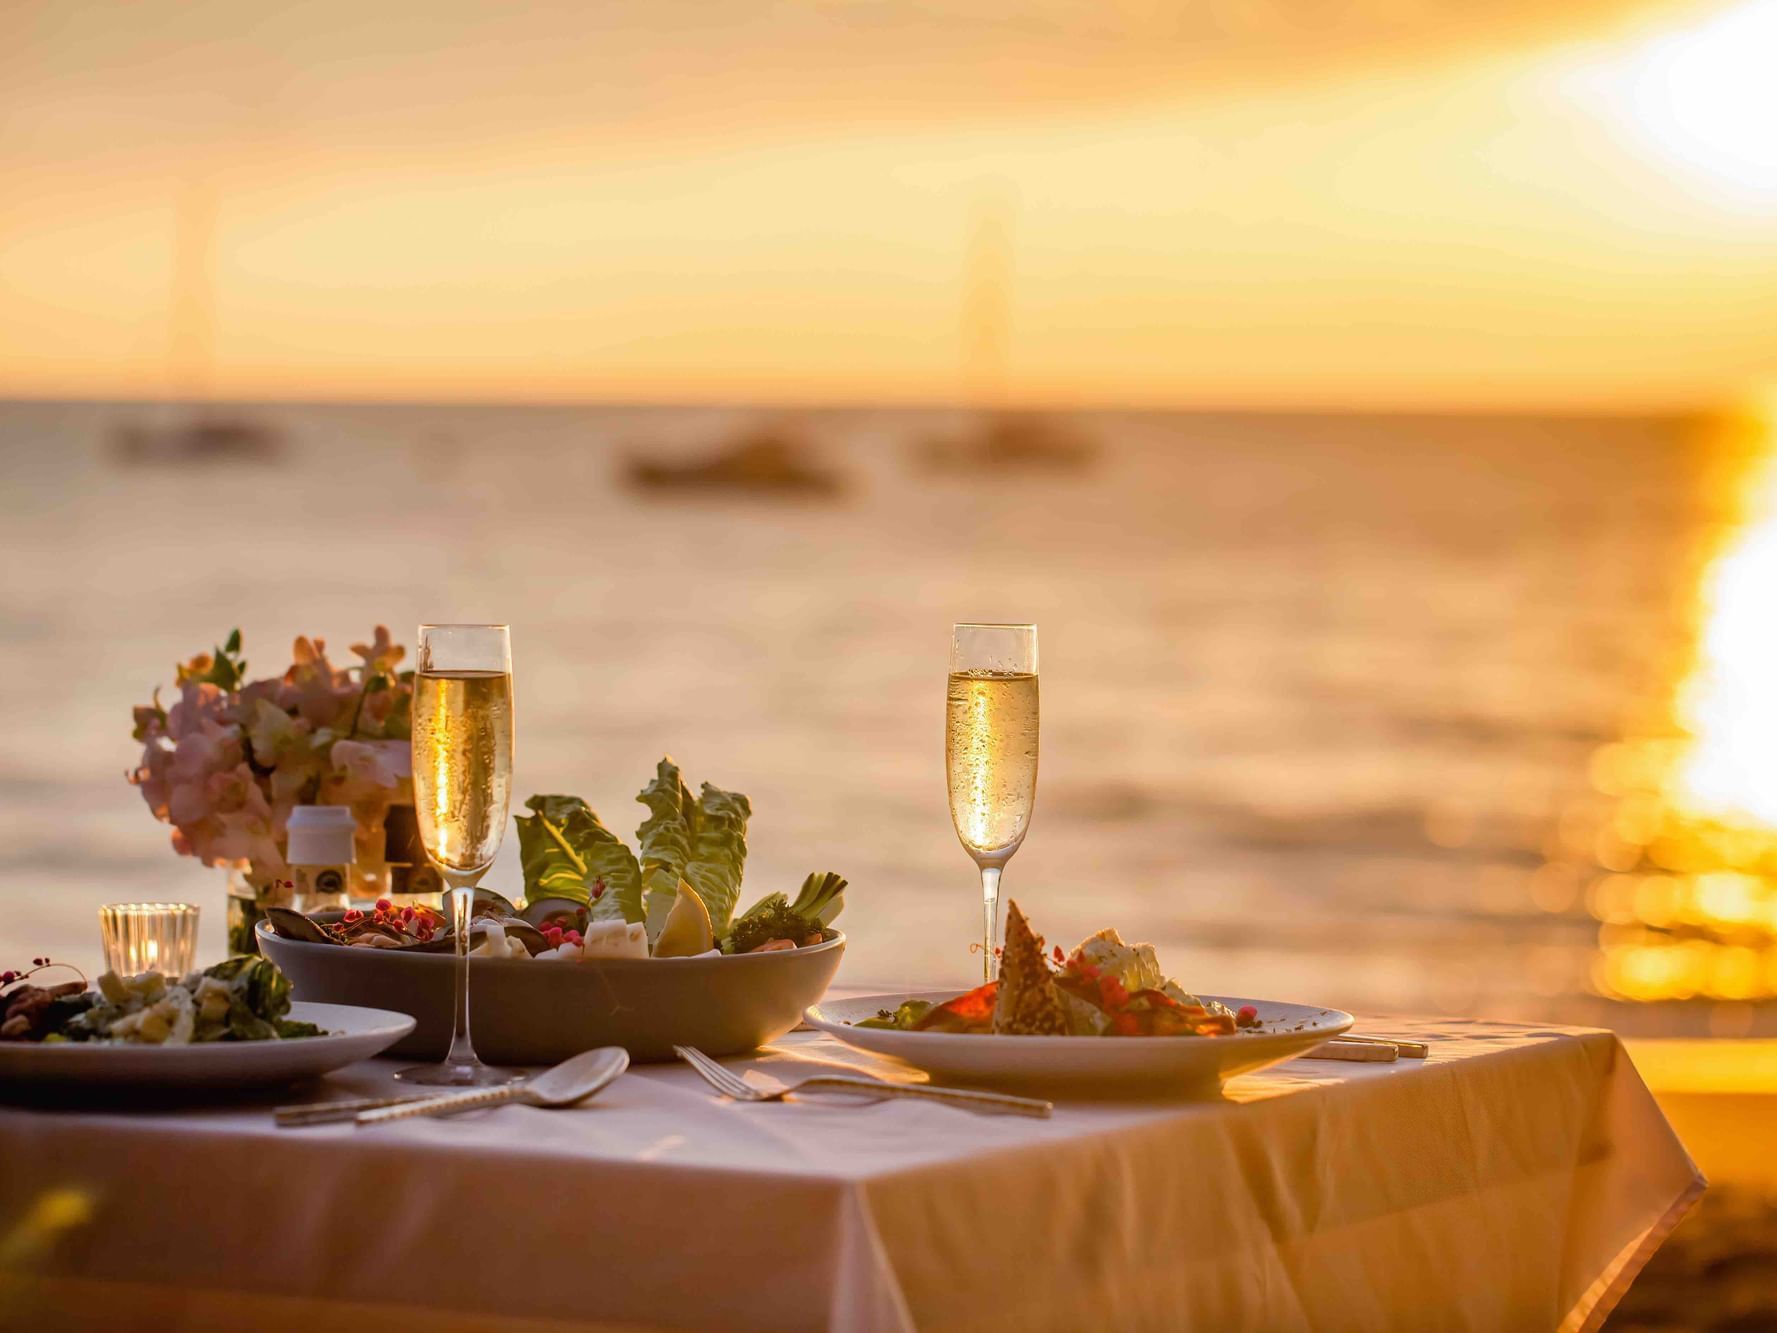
point(227, 763)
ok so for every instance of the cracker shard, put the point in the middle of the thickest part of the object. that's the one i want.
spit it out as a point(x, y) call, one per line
point(1029, 1003)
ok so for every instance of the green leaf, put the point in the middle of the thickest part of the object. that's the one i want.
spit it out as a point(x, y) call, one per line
point(664, 841)
point(703, 842)
point(566, 852)
point(259, 996)
point(775, 917)
point(719, 852)
point(904, 1018)
point(821, 898)
point(244, 1024)
point(231, 968)
point(227, 669)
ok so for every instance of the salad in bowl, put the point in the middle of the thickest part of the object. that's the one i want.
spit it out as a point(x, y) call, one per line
point(643, 947)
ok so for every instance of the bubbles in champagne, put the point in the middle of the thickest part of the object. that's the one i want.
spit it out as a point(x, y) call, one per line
point(462, 765)
point(990, 750)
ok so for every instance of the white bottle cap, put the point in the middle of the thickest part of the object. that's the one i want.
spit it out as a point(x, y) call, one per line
point(321, 835)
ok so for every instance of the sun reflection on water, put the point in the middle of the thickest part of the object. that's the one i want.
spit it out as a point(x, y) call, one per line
point(1684, 846)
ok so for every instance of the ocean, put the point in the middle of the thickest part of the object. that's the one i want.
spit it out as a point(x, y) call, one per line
point(1318, 692)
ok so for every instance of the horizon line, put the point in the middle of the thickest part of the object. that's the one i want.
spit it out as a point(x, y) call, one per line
point(1555, 407)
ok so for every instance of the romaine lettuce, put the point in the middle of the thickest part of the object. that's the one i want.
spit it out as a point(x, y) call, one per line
point(567, 853)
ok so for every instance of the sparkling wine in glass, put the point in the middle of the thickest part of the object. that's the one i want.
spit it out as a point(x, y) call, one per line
point(990, 755)
point(462, 792)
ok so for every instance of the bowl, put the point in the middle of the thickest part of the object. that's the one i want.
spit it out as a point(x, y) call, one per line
point(526, 1011)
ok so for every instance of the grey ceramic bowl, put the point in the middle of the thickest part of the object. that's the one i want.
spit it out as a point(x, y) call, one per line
point(526, 1012)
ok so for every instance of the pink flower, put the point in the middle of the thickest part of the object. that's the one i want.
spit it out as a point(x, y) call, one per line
point(361, 768)
point(234, 789)
point(188, 804)
point(380, 654)
point(322, 695)
point(153, 779)
point(199, 705)
point(275, 690)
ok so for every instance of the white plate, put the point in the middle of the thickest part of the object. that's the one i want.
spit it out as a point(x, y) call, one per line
point(1085, 1063)
point(351, 1034)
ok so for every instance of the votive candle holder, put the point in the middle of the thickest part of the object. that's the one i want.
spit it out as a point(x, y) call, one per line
point(149, 937)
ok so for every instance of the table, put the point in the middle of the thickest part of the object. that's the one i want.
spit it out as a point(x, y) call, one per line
point(1516, 1180)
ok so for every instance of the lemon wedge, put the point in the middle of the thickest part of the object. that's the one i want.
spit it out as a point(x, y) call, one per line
point(687, 930)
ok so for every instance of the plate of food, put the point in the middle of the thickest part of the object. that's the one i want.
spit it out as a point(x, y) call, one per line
point(606, 946)
point(1103, 1016)
point(229, 1026)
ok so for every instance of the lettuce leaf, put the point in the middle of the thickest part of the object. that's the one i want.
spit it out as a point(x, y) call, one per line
point(258, 997)
point(664, 841)
point(719, 852)
point(566, 852)
point(703, 842)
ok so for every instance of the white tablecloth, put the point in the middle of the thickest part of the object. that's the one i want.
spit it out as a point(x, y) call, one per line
point(1517, 1180)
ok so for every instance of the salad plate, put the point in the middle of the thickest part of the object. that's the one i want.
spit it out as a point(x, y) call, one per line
point(1103, 1017)
point(1279, 1032)
point(348, 1034)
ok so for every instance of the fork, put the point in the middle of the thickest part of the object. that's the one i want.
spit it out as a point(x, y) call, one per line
point(730, 1084)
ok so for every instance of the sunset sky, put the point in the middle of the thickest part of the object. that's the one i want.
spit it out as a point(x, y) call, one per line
point(1408, 204)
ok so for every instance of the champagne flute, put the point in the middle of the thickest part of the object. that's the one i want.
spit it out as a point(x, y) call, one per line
point(462, 791)
point(990, 755)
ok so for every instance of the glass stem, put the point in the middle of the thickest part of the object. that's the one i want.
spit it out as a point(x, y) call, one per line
point(462, 902)
point(990, 922)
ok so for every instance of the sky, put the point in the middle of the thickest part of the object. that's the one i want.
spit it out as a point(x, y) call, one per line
point(1278, 203)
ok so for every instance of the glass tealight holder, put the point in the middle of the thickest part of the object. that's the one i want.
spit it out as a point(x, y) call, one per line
point(149, 937)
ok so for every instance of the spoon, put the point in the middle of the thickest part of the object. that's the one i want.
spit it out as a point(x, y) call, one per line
point(569, 1082)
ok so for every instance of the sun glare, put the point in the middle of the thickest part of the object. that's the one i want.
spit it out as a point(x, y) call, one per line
point(1729, 704)
point(1683, 844)
point(1704, 96)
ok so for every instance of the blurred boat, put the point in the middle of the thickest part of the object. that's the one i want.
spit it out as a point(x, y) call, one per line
point(763, 461)
point(200, 440)
point(1011, 441)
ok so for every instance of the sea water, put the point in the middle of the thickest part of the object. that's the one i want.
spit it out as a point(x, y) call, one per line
point(1317, 690)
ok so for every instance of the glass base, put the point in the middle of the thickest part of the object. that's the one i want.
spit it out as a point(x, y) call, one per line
point(450, 1075)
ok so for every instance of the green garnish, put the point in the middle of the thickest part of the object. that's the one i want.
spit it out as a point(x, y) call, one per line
point(903, 1018)
point(775, 917)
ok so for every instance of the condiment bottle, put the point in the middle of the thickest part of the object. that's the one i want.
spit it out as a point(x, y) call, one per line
point(413, 879)
point(321, 847)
